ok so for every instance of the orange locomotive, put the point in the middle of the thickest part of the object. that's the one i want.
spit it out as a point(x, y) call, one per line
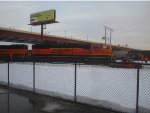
point(56, 52)
point(73, 52)
point(13, 52)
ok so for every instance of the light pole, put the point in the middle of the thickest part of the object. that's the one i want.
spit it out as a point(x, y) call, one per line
point(31, 28)
point(87, 37)
point(110, 36)
point(109, 41)
point(65, 33)
point(105, 34)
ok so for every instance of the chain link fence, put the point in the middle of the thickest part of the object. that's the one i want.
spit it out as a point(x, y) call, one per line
point(144, 89)
point(21, 75)
point(55, 80)
point(4, 73)
point(113, 88)
point(118, 89)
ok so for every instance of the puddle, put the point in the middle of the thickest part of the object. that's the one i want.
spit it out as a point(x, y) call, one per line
point(2, 91)
point(27, 103)
point(12, 103)
point(51, 107)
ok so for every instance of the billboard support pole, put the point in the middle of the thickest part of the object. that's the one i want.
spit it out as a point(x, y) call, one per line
point(41, 33)
point(43, 18)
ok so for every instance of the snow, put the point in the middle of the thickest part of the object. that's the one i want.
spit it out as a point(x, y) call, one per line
point(4, 73)
point(111, 84)
point(55, 78)
point(113, 88)
point(21, 74)
point(144, 89)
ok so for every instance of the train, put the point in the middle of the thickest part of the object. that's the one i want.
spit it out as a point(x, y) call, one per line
point(13, 52)
point(84, 53)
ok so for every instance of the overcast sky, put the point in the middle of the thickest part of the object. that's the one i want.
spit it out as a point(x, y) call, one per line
point(86, 20)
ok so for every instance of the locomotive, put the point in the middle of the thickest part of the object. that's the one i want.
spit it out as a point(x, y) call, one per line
point(70, 52)
point(13, 52)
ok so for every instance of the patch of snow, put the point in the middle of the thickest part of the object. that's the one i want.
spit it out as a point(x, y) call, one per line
point(51, 107)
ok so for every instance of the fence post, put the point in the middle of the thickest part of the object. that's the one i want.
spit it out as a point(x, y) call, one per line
point(33, 77)
point(75, 83)
point(8, 75)
point(8, 107)
point(137, 93)
point(8, 88)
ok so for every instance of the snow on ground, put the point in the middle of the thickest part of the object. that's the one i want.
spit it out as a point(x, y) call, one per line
point(113, 88)
point(105, 83)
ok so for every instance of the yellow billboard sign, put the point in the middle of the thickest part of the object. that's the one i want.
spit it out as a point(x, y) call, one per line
point(43, 17)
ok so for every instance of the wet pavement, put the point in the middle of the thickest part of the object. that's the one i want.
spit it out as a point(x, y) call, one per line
point(18, 102)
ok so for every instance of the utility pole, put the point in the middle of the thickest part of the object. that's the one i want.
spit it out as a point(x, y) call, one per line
point(65, 33)
point(110, 36)
point(87, 37)
point(105, 34)
point(110, 39)
point(31, 28)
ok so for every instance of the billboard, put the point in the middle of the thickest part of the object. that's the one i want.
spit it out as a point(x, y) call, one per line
point(44, 17)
